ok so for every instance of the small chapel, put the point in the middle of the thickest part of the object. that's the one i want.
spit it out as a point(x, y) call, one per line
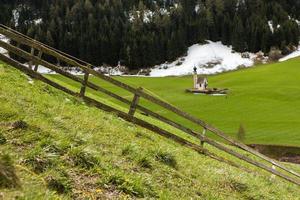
point(200, 82)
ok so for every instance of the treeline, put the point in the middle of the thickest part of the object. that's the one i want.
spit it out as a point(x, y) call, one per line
point(142, 33)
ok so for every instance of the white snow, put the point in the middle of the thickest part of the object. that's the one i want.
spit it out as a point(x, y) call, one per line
point(292, 55)
point(271, 26)
point(147, 16)
point(16, 16)
point(112, 71)
point(38, 21)
point(44, 70)
point(210, 58)
point(270, 23)
point(197, 8)
point(3, 39)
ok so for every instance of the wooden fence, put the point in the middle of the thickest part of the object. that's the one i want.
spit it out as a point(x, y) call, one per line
point(35, 52)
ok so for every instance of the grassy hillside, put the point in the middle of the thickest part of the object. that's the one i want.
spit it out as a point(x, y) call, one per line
point(65, 149)
point(264, 100)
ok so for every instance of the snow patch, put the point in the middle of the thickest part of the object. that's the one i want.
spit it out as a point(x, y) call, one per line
point(38, 21)
point(292, 55)
point(197, 8)
point(6, 40)
point(16, 16)
point(146, 18)
point(271, 26)
point(270, 23)
point(210, 58)
point(112, 71)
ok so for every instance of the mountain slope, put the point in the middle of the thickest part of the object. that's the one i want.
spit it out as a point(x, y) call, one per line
point(144, 33)
point(80, 151)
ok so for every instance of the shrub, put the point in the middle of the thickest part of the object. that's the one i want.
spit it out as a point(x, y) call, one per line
point(275, 54)
point(8, 177)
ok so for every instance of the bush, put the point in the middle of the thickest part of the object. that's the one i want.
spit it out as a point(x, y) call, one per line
point(275, 54)
point(8, 177)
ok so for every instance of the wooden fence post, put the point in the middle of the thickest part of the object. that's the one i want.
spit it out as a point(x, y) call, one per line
point(39, 56)
point(134, 103)
point(85, 81)
point(58, 62)
point(203, 134)
point(30, 62)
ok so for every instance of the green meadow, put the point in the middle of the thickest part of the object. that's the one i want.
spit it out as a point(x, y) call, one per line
point(264, 100)
point(69, 150)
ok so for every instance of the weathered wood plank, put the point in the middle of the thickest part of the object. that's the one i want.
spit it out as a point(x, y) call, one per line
point(34, 74)
point(134, 103)
point(203, 134)
point(30, 62)
point(37, 60)
point(249, 160)
point(84, 84)
point(36, 67)
point(35, 41)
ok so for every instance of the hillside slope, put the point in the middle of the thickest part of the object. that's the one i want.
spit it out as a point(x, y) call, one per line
point(65, 149)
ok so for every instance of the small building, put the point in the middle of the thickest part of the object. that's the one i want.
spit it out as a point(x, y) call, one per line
point(201, 86)
point(201, 82)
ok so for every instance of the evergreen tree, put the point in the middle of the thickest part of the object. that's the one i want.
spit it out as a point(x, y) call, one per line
point(142, 33)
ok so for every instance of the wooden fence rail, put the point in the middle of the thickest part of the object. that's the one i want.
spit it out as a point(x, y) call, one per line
point(42, 49)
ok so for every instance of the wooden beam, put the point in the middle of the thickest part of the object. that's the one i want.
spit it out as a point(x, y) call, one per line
point(37, 60)
point(134, 103)
point(203, 134)
point(30, 62)
point(249, 160)
point(36, 67)
point(84, 84)
point(34, 74)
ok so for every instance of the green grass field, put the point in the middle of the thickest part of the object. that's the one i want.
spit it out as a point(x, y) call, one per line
point(69, 150)
point(265, 100)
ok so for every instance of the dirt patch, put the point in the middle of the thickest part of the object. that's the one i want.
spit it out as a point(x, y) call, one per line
point(281, 153)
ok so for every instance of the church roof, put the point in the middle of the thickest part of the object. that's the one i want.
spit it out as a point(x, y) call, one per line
point(202, 79)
